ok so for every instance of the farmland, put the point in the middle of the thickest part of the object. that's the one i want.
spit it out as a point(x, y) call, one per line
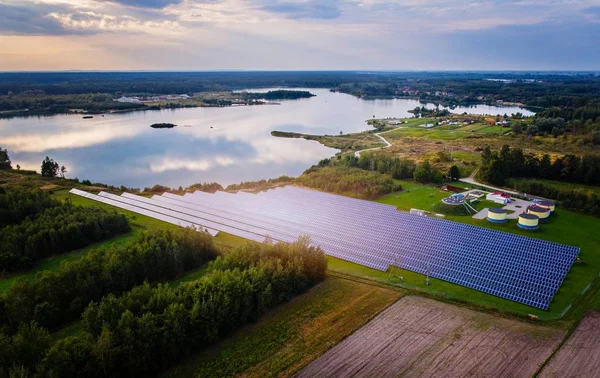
point(418, 337)
point(580, 355)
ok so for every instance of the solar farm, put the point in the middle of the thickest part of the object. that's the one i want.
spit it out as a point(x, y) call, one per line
point(518, 268)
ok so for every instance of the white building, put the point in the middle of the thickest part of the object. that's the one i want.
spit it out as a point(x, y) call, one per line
point(499, 197)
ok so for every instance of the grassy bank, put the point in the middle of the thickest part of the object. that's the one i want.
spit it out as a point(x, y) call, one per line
point(346, 143)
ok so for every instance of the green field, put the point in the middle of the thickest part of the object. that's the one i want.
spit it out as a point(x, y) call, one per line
point(414, 129)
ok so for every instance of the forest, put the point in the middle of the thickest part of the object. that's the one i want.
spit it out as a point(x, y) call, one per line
point(138, 333)
point(37, 227)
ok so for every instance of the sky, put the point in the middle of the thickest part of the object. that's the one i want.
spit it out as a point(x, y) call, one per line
point(299, 35)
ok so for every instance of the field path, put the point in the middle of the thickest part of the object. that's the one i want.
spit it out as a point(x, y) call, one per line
point(420, 337)
point(378, 135)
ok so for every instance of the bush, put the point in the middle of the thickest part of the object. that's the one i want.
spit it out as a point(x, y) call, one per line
point(352, 182)
point(426, 173)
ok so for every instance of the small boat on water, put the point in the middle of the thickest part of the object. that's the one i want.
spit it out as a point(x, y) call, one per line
point(88, 117)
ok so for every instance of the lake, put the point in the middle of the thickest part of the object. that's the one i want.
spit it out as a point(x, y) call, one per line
point(226, 145)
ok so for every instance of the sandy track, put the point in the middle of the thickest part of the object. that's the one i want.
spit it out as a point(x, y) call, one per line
point(419, 337)
point(580, 355)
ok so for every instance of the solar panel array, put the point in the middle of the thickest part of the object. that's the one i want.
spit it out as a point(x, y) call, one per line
point(517, 268)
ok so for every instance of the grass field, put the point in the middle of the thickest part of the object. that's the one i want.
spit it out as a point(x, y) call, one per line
point(292, 335)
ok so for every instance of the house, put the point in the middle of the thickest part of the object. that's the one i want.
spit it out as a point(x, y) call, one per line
point(499, 197)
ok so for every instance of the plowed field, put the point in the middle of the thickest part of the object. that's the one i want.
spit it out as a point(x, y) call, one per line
point(580, 355)
point(419, 337)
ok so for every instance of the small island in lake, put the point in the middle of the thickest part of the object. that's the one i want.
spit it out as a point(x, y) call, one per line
point(162, 125)
point(279, 95)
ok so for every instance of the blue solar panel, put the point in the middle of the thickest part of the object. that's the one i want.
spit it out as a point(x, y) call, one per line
point(518, 268)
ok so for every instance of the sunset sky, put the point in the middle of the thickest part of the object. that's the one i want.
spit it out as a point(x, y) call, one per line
point(299, 34)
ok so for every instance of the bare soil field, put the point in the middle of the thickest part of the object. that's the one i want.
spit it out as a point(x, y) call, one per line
point(419, 337)
point(580, 355)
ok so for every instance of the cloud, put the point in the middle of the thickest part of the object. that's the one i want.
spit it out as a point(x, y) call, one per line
point(19, 19)
point(155, 4)
point(200, 165)
point(92, 21)
point(315, 9)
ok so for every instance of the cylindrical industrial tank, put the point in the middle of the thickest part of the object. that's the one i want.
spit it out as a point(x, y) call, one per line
point(496, 215)
point(541, 212)
point(528, 221)
point(546, 204)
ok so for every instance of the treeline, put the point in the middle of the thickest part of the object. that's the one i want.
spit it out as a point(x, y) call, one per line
point(348, 181)
point(58, 297)
point(498, 167)
point(209, 187)
point(278, 95)
point(38, 103)
point(54, 231)
point(386, 164)
point(582, 200)
point(147, 329)
point(588, 130)
point(261, 184)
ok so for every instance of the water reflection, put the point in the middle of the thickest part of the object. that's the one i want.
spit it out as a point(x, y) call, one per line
point(226, 145)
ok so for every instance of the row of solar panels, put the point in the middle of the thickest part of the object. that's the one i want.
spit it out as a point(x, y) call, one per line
point(522, 269)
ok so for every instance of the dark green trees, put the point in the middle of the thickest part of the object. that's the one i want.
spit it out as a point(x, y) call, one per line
point(454, 173)
point(426, 173)
point(5, 163)
point(33, 226)
point(49, 168)
point(497, 168)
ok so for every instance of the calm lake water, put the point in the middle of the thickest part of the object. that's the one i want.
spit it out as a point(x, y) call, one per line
point(226, 145)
